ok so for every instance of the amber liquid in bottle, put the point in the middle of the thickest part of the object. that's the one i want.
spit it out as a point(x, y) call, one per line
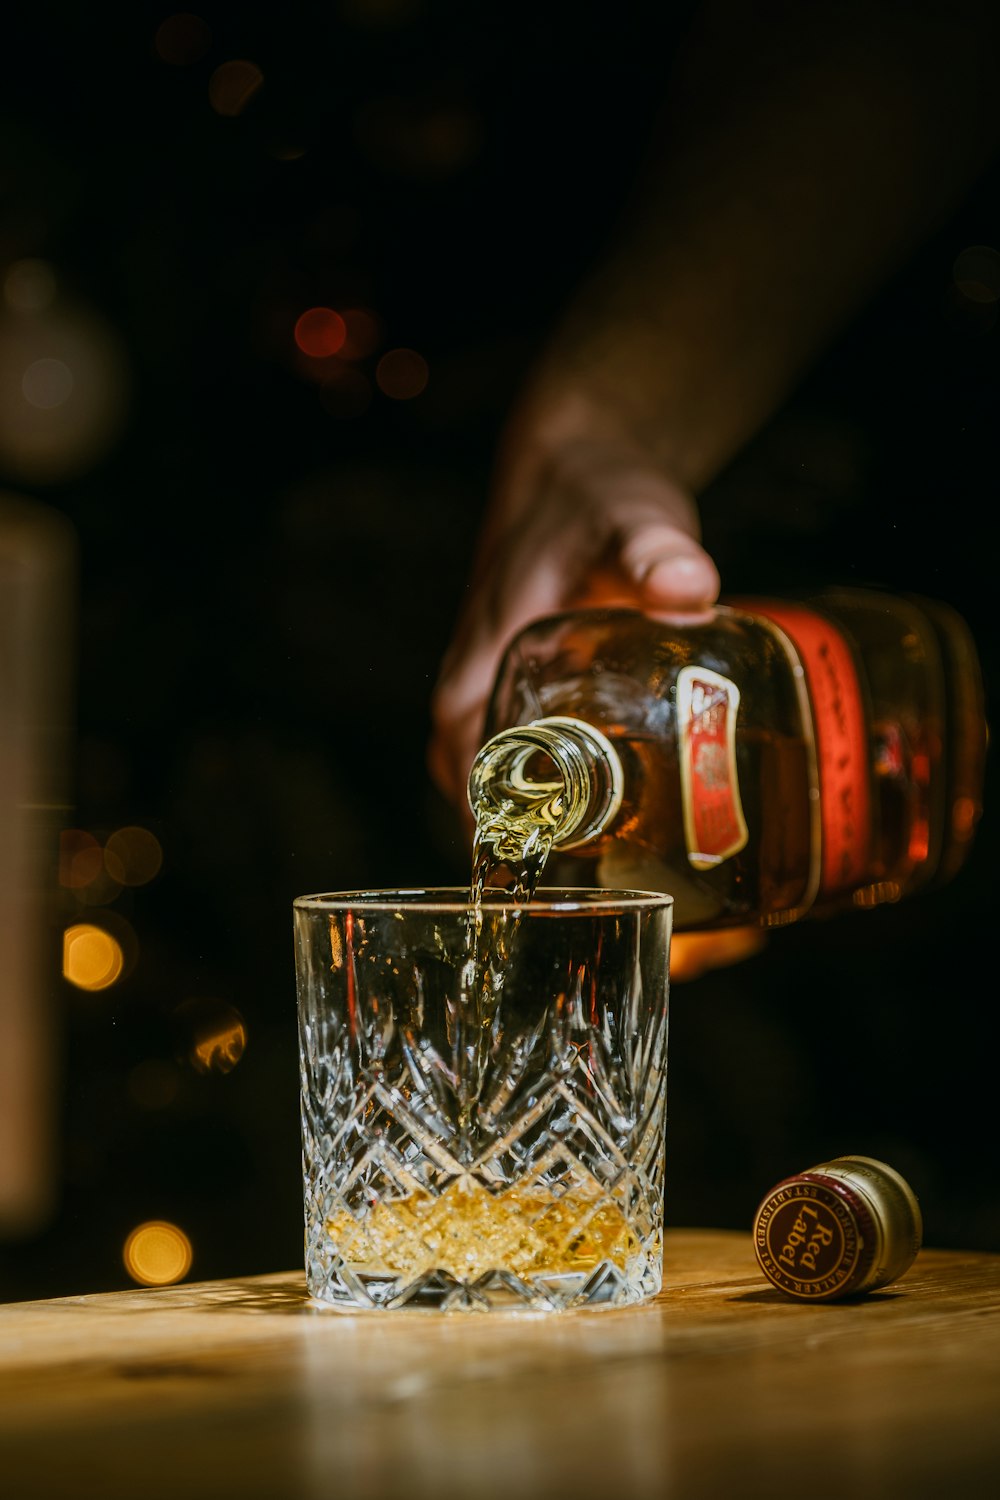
point(783, 758)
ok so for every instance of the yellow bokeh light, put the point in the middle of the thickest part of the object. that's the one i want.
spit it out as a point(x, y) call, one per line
point(157, 1253)
point(233, 85)
point(133, 856)
point(64, 371)
point(92, 958)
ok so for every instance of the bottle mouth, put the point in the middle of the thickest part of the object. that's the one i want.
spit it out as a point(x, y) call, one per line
point(561, 770)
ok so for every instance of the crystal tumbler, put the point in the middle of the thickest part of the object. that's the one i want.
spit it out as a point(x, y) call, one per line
point(483, 1098)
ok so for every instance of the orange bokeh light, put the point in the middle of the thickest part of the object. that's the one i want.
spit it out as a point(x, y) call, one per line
point(964, 816)
point(364, 333)
point(157, 1253)
point(233, 85)
point(211, 1033)
point(81, 858)
point(133, 856)
point(401, 374)
point(92, 958)
point(320, 332)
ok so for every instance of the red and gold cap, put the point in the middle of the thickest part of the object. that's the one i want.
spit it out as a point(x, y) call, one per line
point(839, 1229)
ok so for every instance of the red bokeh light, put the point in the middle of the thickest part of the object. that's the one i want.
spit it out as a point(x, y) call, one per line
point(364, 333)
point(320, 332)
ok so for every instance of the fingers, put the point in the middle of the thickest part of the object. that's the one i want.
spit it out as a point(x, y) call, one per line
point(624, 535)
point(455, 738)
point(695, 953)
point(662, 557)
point(671, 570)
point(516, 593)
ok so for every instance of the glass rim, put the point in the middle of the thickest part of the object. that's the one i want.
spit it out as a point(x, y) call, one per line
point(598, 900)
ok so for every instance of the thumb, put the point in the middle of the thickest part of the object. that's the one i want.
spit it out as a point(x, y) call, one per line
point(667, 566)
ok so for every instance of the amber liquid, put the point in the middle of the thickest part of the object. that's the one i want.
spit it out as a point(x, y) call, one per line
point(469, 1231)
point(769, 880)
point(922, 693)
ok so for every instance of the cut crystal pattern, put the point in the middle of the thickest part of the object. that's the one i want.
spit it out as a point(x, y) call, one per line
point(510, 1157)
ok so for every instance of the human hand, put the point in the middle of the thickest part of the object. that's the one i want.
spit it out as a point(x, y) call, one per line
point(595, 526)
point(598, 529)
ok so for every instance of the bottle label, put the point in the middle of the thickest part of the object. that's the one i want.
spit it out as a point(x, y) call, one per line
point(842, 752)
point(714, 825)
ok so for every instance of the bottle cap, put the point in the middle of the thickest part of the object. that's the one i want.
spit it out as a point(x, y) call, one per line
point(839, 1229)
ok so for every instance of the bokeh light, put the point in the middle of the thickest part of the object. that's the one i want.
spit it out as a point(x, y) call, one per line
point(964, 816)
point(363, 330)
point(401, 374)
point(102, 890)
point(233, 85)
point(157, 1253)
point(212, 1035)
point(133, 856)
point(81, 858)
point(182, 39)
point(320, 332)
point(47, 383)
point(64, 381)
point(92, 958)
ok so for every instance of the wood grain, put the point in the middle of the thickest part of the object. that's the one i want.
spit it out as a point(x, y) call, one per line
point(721, 1386)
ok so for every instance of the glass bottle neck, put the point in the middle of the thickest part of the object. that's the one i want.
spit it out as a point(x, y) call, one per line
point(562, 771)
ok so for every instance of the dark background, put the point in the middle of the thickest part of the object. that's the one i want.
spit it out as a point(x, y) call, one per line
point(272, 551)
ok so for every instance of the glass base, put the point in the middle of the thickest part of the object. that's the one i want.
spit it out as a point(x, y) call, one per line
point(563, 1240)
point(353, 1290)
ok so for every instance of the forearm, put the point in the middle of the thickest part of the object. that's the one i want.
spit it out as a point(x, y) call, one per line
point(806, 150)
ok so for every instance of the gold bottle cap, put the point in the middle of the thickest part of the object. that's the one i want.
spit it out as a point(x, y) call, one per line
point(839, 1229)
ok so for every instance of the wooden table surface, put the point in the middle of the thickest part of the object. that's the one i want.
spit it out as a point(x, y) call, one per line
point(720, 1387)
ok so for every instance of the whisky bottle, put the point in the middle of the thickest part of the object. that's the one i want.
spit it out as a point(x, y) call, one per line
point(779, 758)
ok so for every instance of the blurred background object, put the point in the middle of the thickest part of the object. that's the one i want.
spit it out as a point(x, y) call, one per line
point(62, 379)
point(271, 279)
point(37, 657)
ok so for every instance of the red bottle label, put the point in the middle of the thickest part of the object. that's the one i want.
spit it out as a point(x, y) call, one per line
point(714, 826)
point(842, 752)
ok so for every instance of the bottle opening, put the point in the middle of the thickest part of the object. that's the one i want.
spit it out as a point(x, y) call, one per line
point(563, 772)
